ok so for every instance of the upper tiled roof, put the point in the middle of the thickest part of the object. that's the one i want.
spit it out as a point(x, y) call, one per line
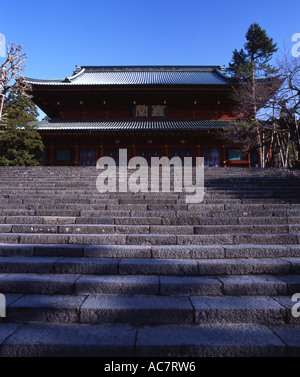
point(213, 75)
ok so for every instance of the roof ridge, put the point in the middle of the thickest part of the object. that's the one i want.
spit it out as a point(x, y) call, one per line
point(152, 68)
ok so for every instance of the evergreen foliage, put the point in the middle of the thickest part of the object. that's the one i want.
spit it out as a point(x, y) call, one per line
point(20, 143)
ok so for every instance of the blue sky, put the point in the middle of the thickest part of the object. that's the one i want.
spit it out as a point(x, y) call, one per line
point(58, 35)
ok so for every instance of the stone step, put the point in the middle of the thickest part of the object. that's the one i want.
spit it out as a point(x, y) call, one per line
point(231, 183)
point(174, 252)
point(89, 184)
point(66, 284)
point(150, 229)
point(94, 197)
point(150, 239)
point(239, 208)
point(161, 267)
point(224, 176)
point(221, 179)
point(137, 213)
point(149, 310)
point(150, 205)
point(148, 274)
point(56, 220)
point(101, 229)
point(123, 340)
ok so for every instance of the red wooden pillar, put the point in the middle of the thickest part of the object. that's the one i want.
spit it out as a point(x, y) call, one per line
point(52, 155)
point(249, 160)
point(166, 151)
point(133, 151)
point(76, 162)
point(101, 151)
point(224, 156)
point(105, 109)
point(198, 152)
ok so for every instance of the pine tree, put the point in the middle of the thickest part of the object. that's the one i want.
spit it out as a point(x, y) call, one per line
point(254, 81)
point(20, 144)
point(250, 67)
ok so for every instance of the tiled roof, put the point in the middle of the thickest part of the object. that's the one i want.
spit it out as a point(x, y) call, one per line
point(214, 75)
point(127, 125)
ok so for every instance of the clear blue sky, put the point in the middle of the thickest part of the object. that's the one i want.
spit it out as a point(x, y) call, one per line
point(57, 35)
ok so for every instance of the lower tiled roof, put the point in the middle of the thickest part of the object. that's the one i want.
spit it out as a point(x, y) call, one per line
point(128, 125)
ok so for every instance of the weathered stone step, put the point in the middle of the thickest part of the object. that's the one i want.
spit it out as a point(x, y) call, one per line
point(148, 310)
point(122, 340)
point(215, 267)
point(203, 252)
point(261, 178)
point(6, 213)
point(150, 229)
point(162, 267)
point(93, 196)
point(176, 214)
point(272, 187)
point(55, 220)
point(245, 229)
point(230, 220)
point(150, 239)
point(150, 203)
point(221, 177)
point(66, 284)
point(101, 229)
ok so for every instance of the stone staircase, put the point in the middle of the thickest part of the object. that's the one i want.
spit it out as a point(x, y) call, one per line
point(123, 274)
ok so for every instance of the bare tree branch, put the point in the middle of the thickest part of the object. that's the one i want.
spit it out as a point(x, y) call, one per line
point(11, 79)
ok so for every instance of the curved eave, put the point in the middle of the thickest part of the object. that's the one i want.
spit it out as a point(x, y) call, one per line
point(213, 77)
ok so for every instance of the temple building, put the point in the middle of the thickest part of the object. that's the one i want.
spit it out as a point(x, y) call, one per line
point(151, 111)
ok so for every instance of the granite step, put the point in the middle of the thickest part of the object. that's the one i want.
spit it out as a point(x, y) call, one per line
point(149, 310)
point(123, 212)
point(147, 274)
point(191, 220)
point(161, 267)
point(171, 252)
point(150, 239)
point(146, 206)
point(123, 340)
point(149, 229)
point(231, 285)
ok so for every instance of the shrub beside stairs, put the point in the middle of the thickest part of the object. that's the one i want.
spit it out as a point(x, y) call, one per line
point(145, 274)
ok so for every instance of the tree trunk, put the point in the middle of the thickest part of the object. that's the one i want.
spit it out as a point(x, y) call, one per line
point(263, 149)
point(1, 105)
point(286, 163)
point(280, 149)
point(254, 107)
point(254, 116)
